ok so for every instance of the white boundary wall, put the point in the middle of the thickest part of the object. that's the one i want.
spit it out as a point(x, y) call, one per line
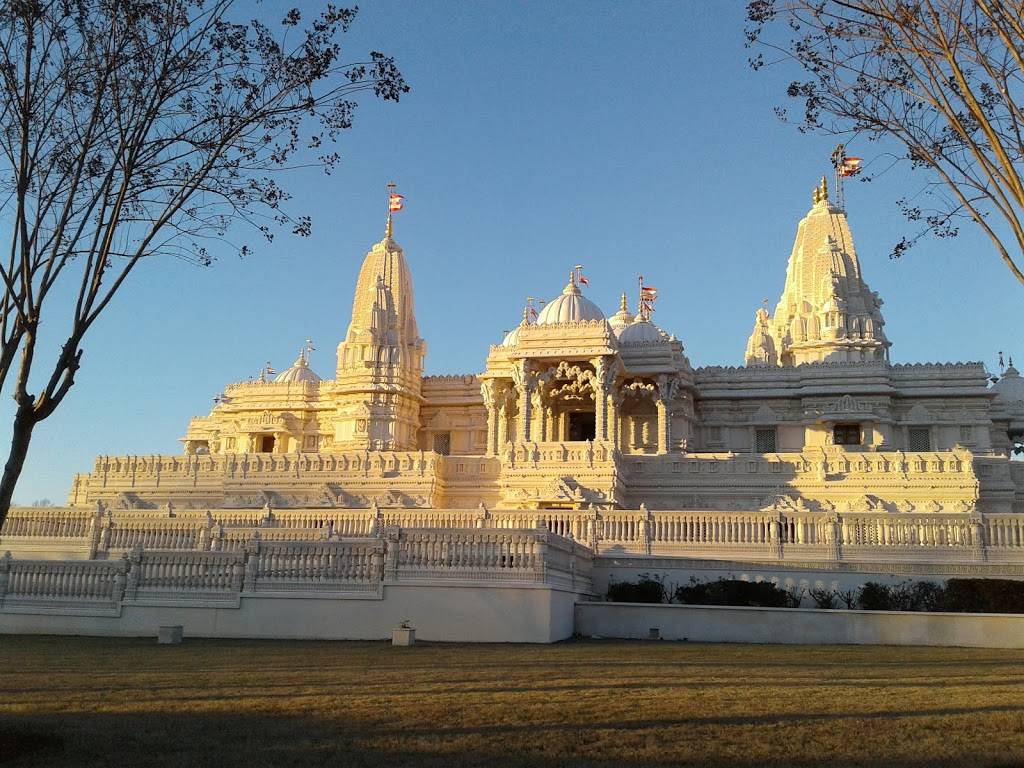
point(796, 626)
point(480, 614)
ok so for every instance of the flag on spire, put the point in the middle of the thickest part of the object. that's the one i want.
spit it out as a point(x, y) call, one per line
point(396, 202)
point(850, 166)
point(648, 294)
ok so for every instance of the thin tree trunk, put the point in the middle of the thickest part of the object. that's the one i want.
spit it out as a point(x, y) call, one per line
point(24, 423)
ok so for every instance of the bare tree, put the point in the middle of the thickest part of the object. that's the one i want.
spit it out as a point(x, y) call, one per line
point(139, 128)
point(942, 79)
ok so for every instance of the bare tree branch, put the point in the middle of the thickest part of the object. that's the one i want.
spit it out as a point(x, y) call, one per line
point(142, 128)
point(944, 79)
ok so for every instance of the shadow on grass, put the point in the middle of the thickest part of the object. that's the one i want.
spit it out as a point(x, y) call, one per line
point(175, 740)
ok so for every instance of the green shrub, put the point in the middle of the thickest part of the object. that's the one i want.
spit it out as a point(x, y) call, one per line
point(736, 592)
point(959, 595)
point(646, 590)
point(984, 596)
point(875, 597)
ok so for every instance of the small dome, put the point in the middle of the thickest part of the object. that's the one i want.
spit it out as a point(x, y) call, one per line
point(622, 318)
point(641, 332)
point(1009, 390)
point(570, 307)
point(299, 372)
point(512, 337)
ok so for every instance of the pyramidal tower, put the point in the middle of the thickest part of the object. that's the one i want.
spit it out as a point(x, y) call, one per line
point(380, 361)
point(827, 313)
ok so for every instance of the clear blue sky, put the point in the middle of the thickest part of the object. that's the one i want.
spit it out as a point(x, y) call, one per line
point(629, 137)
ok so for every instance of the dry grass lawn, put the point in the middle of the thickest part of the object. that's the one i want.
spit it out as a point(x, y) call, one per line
point(99, 702)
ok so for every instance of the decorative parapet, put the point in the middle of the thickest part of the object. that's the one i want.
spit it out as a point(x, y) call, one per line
point(346, 568)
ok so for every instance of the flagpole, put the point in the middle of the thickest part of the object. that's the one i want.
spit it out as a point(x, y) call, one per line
point(389, 229)
point(838, 156)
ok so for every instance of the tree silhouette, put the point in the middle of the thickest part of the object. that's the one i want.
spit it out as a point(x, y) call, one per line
point(941, 80)
point(141, 128)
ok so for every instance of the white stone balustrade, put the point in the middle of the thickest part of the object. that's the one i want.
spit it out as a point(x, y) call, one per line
point(343, 566)
point(188, 572)
point(56, 580)
point(787, 535)
point(425, 552)
point(51, 522)
point(314, 565)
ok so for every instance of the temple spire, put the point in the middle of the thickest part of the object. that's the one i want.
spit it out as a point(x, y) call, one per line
point(820, 194)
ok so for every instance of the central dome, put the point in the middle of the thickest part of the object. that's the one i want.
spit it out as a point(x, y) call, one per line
point(571, 307)
point(298, 372)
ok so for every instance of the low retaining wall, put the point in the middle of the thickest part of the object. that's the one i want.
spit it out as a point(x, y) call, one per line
point(441, 613)
point(715, 624)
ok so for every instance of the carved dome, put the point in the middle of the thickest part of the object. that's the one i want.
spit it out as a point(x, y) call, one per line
point(622, 318)
point(298, 372)
point(570, 307)
point(512, 337)
point(1009, 390)
point(641, 332)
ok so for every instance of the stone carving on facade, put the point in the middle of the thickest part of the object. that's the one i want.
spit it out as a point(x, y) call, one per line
point(575, 409)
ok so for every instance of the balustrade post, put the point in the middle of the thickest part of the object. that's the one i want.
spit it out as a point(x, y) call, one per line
point(133, 562)
point(117, 594)
point(775, 536)
point(832, 537)
point(978, 539)
point(392, 543)
point(5, 574)
point(251, 553)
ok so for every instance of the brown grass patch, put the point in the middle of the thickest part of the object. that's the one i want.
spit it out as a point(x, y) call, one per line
point(107, 702)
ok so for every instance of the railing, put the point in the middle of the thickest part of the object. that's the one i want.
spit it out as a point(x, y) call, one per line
point(158, 574)
point(786, 535)
point(513, 555)
point(52, 522)
point(306, 566)
point(53, 580)
point(342, 567)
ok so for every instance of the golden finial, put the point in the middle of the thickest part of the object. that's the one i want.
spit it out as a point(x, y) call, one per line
point(389, 228)
point(820, 192)
point(623, 306)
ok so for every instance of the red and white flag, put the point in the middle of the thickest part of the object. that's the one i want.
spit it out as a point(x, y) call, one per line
point(648, 293)
point(850, 166)
point(396, 202)
point(583, 279)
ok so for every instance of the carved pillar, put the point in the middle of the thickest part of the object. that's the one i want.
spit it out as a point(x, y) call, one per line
point(615, 418)
point(489, 390)
point(538, 404)
point(502, 426)
point(662, 400)
point(600, 397)
point(524, 384)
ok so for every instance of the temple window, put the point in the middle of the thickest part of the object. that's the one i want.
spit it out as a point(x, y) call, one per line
point(582, 426)
point(764, 440)
point(846, 434)
point(443, 443)
point(966, 434)
point(919, 439)
point(230, 443)
point(309, 443)
point(266, 444)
